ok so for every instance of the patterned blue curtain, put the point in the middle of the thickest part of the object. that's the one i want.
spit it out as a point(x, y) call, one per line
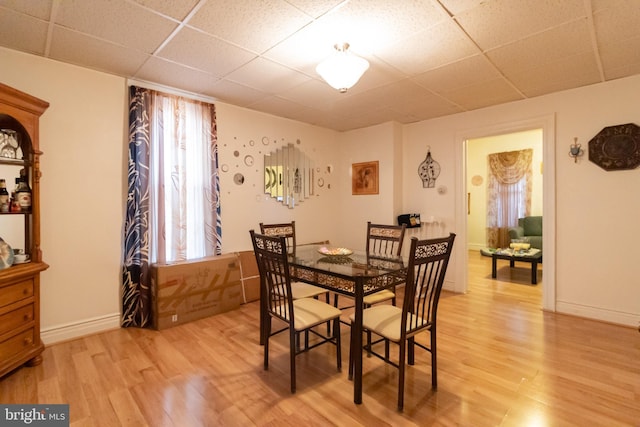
point(171, 215)
point(136, 295)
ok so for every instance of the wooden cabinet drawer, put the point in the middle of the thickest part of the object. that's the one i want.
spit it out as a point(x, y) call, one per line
point(16, 344)
point(12, 293)
point(16, 318)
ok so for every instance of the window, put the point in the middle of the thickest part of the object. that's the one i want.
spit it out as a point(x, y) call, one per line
point(183, 176)
point(508, 193)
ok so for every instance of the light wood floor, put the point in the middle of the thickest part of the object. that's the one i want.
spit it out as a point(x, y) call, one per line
point(502, 362)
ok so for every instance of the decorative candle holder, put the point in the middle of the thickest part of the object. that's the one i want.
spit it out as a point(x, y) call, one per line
point(575, 150)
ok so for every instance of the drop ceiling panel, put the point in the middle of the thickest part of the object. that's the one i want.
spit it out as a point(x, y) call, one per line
point(428, 49)
point(177, 10)
point(36, 9)
point(171, 74)
point(428, 58)
point(315, 8)
point(75, 48)
point(22, 32)
point(312, 93)
point(622, 59)
point(484, 94)
point(278, 106)
point(617, 24)
point(118, 21)
point(535, 50)
point(234, 93)
point(368, 24)
point(204, 52)
point(262, 73)
point(499, 22)
point(254, 25)
point(571, 72)
point(304, 49)
point(425, 104)
point(456, 7)
point(468, 71)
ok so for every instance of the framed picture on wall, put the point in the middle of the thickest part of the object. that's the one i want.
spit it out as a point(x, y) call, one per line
point(364, 178)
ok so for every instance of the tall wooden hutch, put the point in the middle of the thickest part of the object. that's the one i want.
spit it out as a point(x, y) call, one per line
point(20, 341)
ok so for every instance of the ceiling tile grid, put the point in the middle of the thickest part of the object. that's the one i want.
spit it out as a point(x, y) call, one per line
point(428, 58)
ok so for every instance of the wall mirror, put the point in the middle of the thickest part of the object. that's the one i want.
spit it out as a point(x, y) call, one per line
point(288, 175)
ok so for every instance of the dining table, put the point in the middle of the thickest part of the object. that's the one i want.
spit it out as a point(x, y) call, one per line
point(351, 273)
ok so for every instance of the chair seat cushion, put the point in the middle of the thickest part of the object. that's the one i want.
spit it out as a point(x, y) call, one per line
point(304, 290)
point(384, 320)
point(310, 312)
point(383, 295)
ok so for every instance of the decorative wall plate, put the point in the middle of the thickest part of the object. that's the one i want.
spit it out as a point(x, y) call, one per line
point(616, 147)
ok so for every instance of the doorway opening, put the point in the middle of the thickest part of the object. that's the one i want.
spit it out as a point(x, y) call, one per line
point(498, 194)
point(466, 204)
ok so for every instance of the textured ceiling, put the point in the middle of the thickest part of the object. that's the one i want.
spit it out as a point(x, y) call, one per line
point(429, 58)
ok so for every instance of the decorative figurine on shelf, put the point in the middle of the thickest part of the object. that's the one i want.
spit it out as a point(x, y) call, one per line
point(428, 171)
point(9, 144)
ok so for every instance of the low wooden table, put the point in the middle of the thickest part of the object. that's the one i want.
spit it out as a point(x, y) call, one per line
point(533, 257)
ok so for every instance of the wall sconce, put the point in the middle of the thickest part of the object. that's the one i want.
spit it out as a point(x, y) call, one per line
point(575, 150)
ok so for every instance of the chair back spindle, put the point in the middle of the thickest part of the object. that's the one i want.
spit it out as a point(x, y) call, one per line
point(385, 240)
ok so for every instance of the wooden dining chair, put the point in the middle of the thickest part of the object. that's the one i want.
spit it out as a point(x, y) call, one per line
point(288, 231)
point(299, 315)
point(382, 241)
point(298, 289)
point(428, 261)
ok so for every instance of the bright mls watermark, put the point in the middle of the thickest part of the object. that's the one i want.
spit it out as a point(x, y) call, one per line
point(34, 415)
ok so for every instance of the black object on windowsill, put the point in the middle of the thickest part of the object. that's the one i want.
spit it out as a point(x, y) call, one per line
point(411, 220)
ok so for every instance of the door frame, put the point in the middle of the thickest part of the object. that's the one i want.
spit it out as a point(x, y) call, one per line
point(547, 124)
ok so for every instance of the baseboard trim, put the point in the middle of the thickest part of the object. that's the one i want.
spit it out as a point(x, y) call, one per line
point(596, 313)
point(81, 329)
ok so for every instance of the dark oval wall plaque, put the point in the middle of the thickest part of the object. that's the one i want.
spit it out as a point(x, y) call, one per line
point(616, 147)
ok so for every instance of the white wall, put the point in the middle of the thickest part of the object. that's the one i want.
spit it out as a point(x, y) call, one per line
point(245, 206)
point(82, 204)
point(350, 215)
point(477, 152)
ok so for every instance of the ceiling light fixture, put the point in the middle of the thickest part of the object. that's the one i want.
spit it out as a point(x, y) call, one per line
point(342, 70)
